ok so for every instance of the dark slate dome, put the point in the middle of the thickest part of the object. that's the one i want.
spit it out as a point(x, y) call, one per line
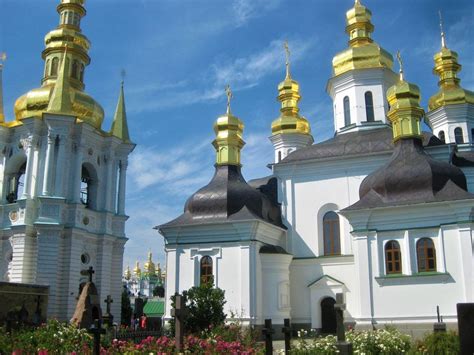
point(411, 176)
point(228, 197)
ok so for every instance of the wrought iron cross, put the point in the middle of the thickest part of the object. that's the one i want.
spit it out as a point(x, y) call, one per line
point(229, 94)
point(287, 54)
point(90, 271)
point(179, 312)
point(400, 63)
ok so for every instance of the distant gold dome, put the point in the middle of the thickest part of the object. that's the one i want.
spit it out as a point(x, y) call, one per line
point(67, 35)
point(363, 52)
point(149, 267)
point(137, 271)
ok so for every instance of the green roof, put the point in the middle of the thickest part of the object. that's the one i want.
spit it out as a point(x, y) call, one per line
point(154, 308)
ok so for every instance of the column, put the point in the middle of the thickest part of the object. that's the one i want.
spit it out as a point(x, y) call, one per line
point(29, 168)
point(3, 177)
point(47, 166)
point(24, 258)
point(58, 189)
point(75, 194)
point(110, 186)
point(121, 195)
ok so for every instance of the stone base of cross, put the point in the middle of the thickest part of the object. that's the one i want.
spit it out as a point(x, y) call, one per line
point(179, 312)
point(344, 347)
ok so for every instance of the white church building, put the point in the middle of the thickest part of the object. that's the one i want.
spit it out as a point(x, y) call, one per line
point(381, 212)
point(62, 178)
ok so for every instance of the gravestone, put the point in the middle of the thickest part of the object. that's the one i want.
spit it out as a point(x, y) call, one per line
point(466, 327)
point(179, 312)
point(343, 346)
point(108, 318)
point(88, 306)
point(268, 332)
point(439, 326)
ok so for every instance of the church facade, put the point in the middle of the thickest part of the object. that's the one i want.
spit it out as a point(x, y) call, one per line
point(381, 212)
point(63, 178)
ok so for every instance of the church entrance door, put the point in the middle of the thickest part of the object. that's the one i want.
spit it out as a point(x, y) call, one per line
point(328, 316)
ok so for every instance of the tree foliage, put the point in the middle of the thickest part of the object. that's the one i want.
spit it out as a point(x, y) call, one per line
point(126, 310)
point(205, 306)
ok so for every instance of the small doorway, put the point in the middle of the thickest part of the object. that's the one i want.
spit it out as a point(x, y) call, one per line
point(328, 316)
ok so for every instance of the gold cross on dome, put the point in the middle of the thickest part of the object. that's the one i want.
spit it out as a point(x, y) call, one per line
point(123, 74)
point(287, 54)
point(400, 63)
point(3, 58)
point(229, 94)
point(443, 39)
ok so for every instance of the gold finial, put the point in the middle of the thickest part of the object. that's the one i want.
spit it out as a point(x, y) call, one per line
point(287, 63)
point(123, 74)
point(229, 94)
point(3, 58)
point(443, 38)
point(357, 2)
point(400, 63)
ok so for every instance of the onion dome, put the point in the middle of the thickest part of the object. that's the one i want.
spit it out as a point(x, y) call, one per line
point(228, 142)
point(410, 176)
point(127, 274)
point(290, 120)
point(228, 197)
point(149, 268)
point(363, 52)
point(137, 271)
point(35, 102)
point(405, 112)
point(446, 67)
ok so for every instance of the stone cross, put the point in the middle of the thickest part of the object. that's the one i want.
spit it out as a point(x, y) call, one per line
point(179, 312)
point(287, 331)
point(96, 330)
point(108, 301)
point(343, 346)
point(268, 332)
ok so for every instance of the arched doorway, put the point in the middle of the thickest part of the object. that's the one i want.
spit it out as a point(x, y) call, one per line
point(328, 316)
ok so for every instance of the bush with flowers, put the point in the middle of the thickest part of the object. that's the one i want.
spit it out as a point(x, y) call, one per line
point(387, 341)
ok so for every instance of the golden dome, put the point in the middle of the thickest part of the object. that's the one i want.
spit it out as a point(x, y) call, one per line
point(229, 130)
point(363, 52)
point(289, 120)
point(137, 271)
point(68, 34)
point(149, 267)
point(127, 274)
point(450, 91)
point(405, 112)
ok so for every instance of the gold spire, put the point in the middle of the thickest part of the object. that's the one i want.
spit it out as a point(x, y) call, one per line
point(68, 33)
point(119, 125)
point(137, 271)
point(229, 130)
point(127, 274)
point(363, 52)
point(400, 64)
point(3, 57)
point(289, 120)
point(446, 67)
point(60, 101)
point(405, 112)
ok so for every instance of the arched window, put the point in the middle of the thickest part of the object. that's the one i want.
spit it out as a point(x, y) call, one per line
point(393, 258)
point(81, 73)
point(17, 183)
point(75, 70)
point(347, 111)
point(54, 66)
point(458, 136)
point(332, 240)
point(426, 255)
point(46, 69)
point(206, 270)
point(369, 107)
point(441, 136)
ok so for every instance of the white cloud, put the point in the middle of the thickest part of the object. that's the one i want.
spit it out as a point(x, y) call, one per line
point(245, 10)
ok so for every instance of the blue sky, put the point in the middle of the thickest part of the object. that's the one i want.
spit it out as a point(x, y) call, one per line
point(179, 55)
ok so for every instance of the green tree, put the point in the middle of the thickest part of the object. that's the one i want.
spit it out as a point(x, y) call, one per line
point(205, 305)
point(126, 310)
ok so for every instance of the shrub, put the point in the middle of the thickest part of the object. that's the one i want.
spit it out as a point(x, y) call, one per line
point(439, 343)
point(205, 306)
